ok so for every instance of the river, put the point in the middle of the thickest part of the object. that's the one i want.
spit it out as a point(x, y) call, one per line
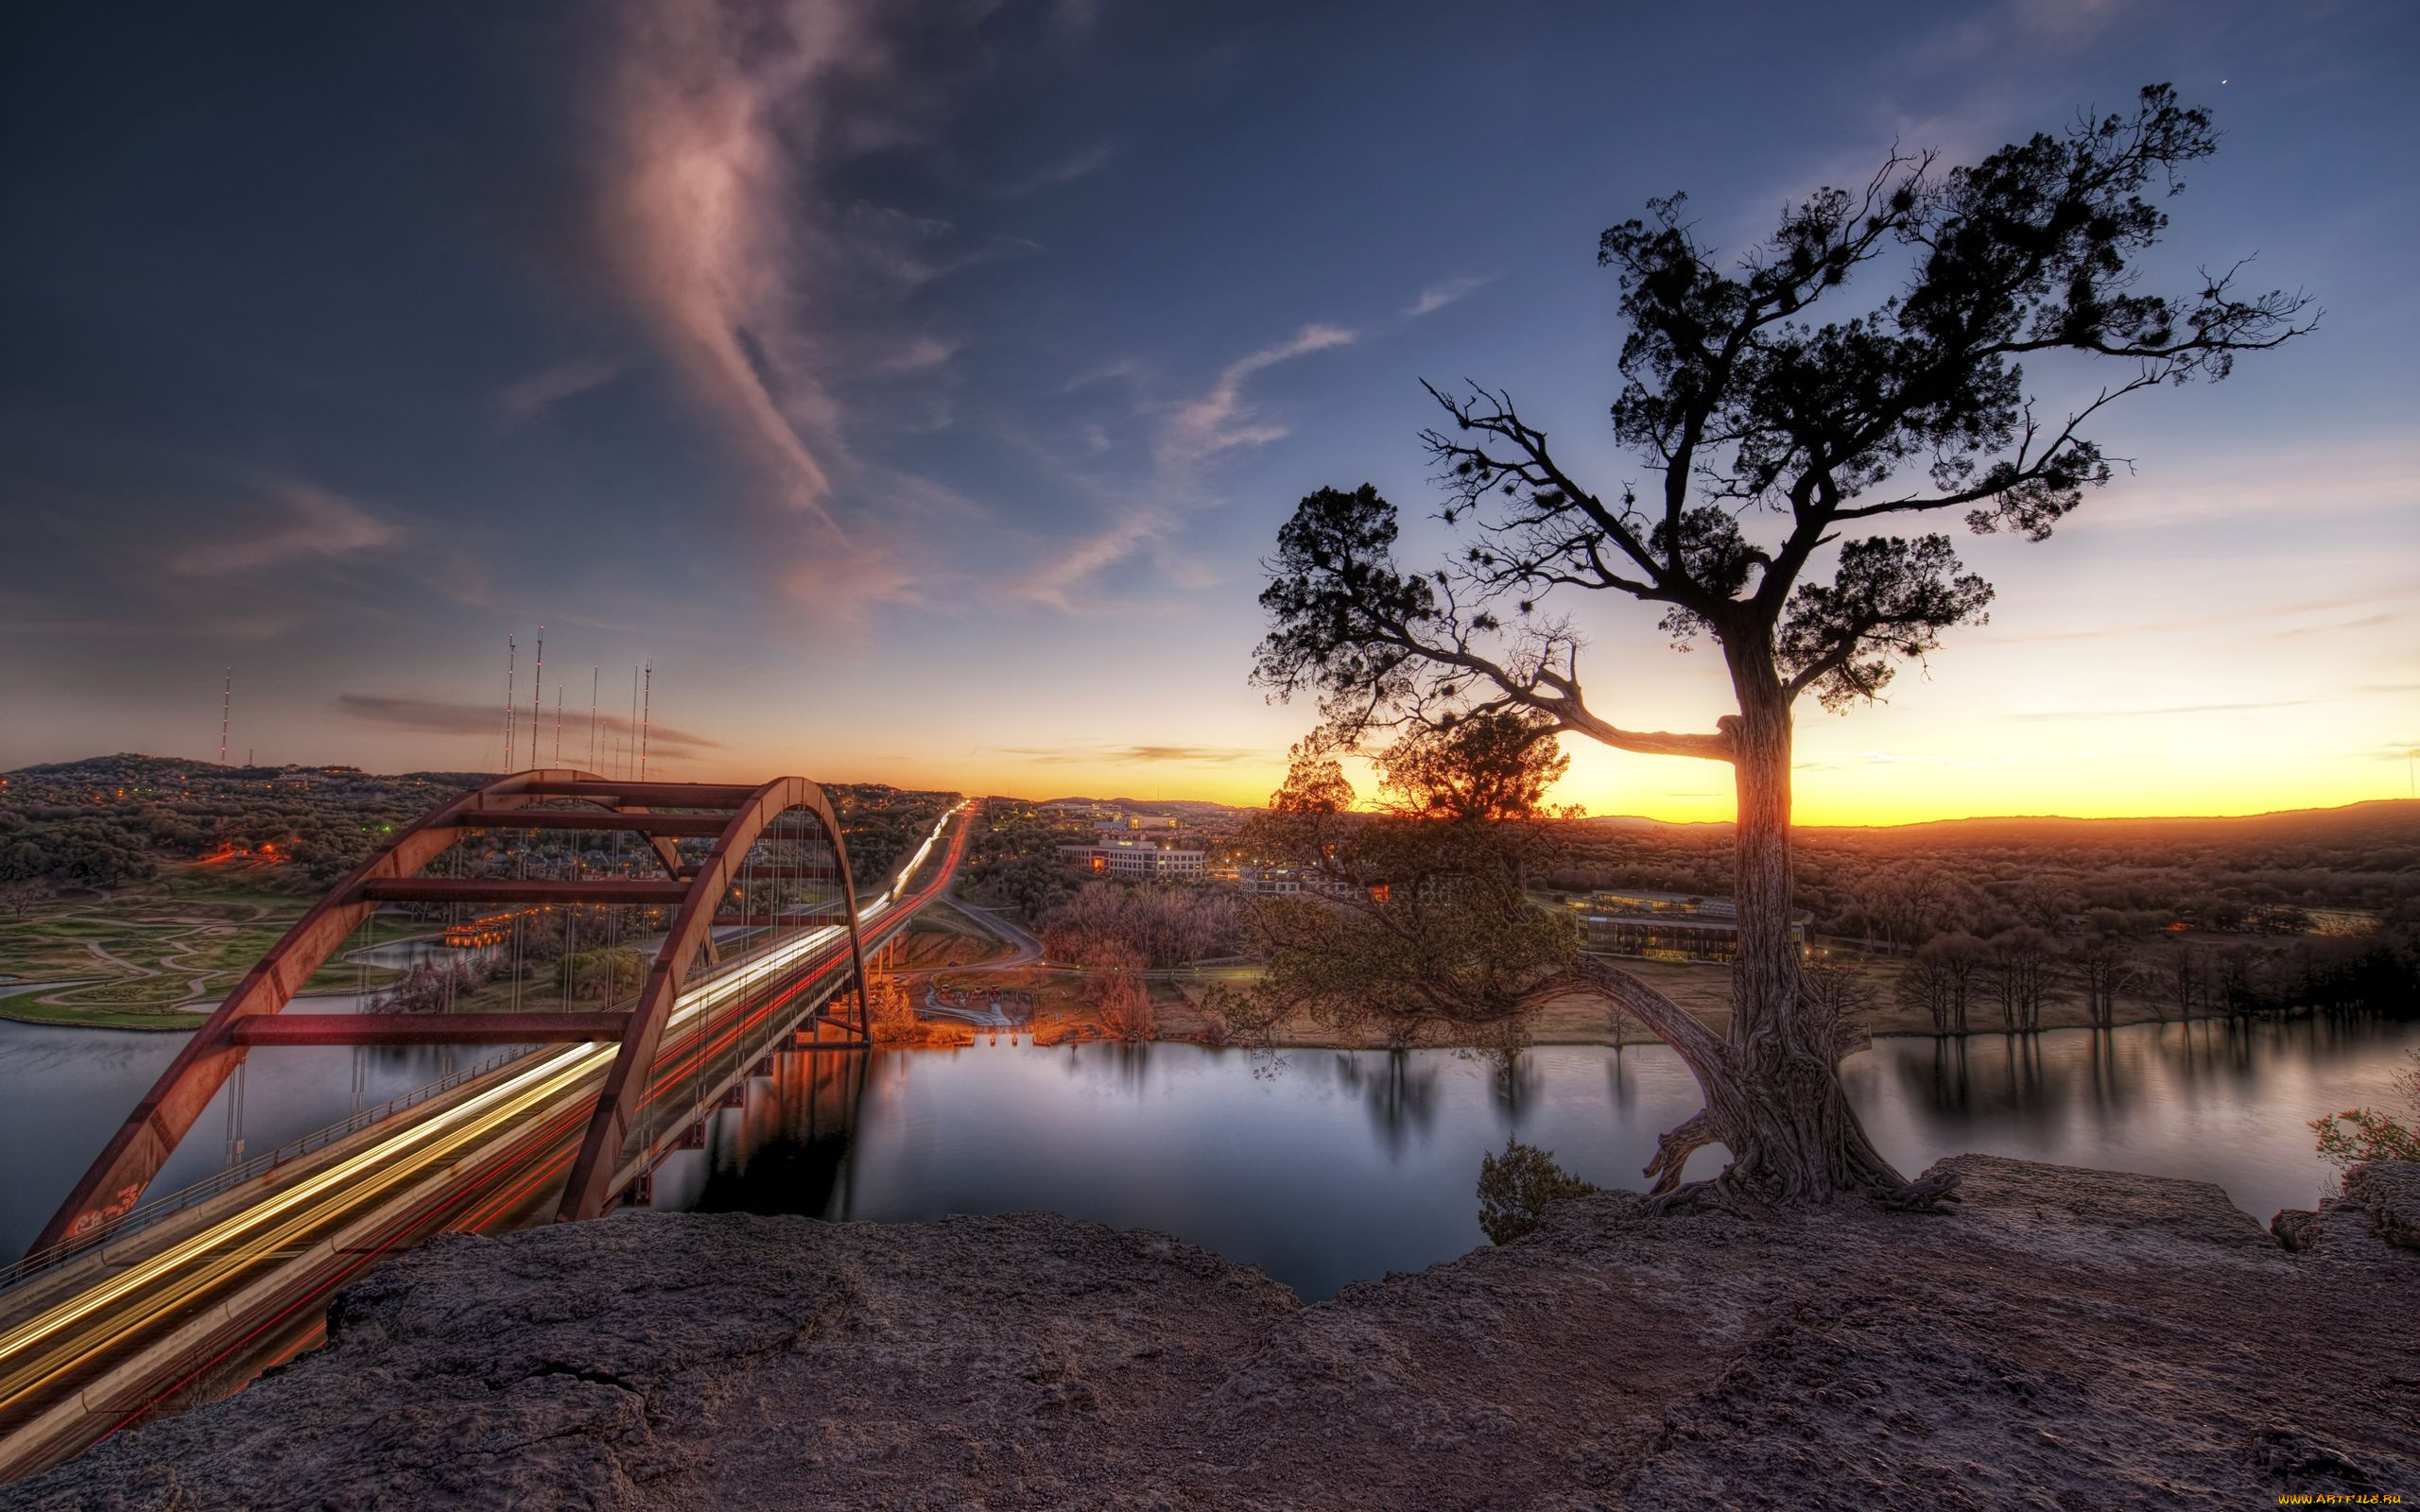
point(1321, 1166)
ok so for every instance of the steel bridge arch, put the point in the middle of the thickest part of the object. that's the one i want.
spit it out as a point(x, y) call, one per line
point(248, 1016)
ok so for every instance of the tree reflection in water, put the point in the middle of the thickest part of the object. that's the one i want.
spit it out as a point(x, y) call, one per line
point(1399, 1089)
point(1327, 1166)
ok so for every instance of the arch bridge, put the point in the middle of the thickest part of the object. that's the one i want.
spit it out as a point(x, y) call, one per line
point(135, 1301)
point(696, 894)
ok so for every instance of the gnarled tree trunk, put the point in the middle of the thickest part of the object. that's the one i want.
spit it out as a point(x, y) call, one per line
point(1773, 1096)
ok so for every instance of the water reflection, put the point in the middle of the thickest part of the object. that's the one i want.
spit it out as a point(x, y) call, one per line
point(1347, 1164)
point(64, 1091)
point(1399, 1090)
point(1323, 1166)
point(786, 1149)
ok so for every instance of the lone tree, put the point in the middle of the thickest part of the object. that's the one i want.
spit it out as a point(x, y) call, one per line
point(1772, 442)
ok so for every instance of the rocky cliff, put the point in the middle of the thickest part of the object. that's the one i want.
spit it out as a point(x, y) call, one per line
point(2071, 1338)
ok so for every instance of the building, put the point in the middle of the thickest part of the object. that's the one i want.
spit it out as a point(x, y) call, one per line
point(1308, 882)
point(1133, 855)
point(1125, 822)
point(1136, 845)
point(1275, 882)
point(1665, 926)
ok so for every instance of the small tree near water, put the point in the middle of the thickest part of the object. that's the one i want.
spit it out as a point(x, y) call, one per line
point(2361, 1134)
point(1781, 453)
point(1516, 1187)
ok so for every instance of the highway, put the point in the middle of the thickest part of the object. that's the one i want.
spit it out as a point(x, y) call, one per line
point(199, 1303)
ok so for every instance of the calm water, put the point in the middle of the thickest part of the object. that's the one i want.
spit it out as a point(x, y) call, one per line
point(1327, 1167)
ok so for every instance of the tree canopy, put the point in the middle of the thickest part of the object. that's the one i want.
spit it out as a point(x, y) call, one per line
point(1770, 436)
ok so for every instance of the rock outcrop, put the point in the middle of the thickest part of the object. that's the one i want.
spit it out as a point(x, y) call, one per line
point(2071, 1338)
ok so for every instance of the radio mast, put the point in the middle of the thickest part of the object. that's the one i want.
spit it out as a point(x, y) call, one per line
point(537, 695)
point(509, 705)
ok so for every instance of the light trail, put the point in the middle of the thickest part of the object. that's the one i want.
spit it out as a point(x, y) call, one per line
point(178, 1273)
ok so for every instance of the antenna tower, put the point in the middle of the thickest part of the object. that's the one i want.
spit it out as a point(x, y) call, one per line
point(537, 695)
point(509, 705)
point(226, 708)
point(645, 710)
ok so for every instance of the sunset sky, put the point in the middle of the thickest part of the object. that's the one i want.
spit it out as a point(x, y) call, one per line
point(918, 384)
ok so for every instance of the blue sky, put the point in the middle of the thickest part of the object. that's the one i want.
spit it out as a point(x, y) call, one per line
point(918, 384)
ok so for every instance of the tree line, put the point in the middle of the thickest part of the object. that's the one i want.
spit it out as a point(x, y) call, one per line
point(108, 821)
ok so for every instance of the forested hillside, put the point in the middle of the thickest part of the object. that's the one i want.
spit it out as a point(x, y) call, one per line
point(108, 820)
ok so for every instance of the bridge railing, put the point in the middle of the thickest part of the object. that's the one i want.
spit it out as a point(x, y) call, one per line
point(151, 1210)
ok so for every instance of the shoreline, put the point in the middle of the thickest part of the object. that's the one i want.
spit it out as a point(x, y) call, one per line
point(1067, 1029)
point(1833, 1357)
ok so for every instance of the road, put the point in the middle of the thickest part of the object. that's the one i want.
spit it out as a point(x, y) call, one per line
point(1028, 948)
point(199, 1303)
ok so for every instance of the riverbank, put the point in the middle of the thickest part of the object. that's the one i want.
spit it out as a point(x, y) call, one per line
point(1181, 1006)
point(2026, 1350)
point(143, 1022)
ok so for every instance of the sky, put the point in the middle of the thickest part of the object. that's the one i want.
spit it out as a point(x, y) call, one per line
point(917, 385)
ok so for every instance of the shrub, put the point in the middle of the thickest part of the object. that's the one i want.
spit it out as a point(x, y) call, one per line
point(1516, 1187)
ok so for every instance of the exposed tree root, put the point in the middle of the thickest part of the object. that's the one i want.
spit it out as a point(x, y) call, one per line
point(1673, 1150)
point(1777, 1104)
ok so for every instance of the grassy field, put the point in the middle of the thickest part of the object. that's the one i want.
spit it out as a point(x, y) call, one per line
point(149, 956)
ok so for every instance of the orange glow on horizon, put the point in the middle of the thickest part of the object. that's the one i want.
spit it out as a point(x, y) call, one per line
point(1879, 792)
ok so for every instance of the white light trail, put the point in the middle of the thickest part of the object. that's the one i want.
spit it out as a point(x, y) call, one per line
point(518, 1093)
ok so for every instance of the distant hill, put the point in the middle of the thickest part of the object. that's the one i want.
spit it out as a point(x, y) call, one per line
point(110, 819)
point(2375, 819)
point(95, 777)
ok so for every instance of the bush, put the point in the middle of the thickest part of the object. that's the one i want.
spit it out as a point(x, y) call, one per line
point(2359, 1134)
point(1516, 1187)
point(1122, 1002)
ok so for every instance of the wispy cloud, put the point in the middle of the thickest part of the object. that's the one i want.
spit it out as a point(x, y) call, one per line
point(433, 716)
point(2032, 29)
point(695, 211)
point(922, 354)
point(1058, 581)
point(1082, 164)
point(774, 290)
point(2367, 622)
point(1190, 434)
point(1221, 418)
point(2301, 484)
point(1437, 296)
point(1089, 755)
point(526, 399)
point(306, 521)
point(1129, 369)
point(913, 251)
point(2234, 617)
point(2164, 711)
